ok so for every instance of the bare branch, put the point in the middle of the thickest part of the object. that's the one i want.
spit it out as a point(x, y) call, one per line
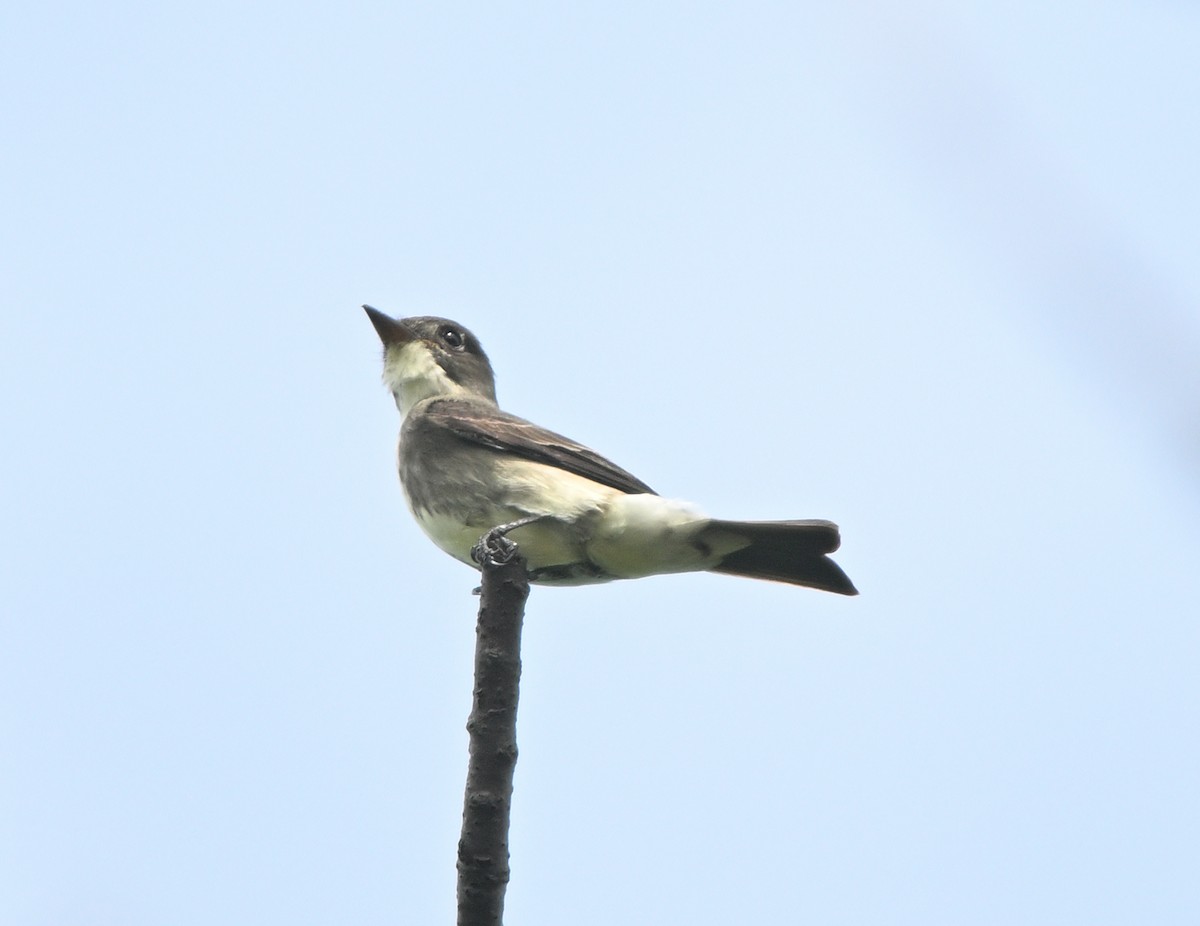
point(483, 848)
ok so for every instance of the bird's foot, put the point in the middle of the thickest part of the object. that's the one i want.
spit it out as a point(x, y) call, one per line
point(494, 547)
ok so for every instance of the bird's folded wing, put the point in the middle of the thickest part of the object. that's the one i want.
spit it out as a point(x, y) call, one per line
point(490, 427)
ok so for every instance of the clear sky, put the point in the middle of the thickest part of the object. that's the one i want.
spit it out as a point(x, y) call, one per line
point(928, 270)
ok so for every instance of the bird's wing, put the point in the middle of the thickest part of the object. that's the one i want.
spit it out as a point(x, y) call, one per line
point(490, 427)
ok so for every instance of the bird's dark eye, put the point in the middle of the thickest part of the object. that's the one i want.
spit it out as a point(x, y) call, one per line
point(453, 339)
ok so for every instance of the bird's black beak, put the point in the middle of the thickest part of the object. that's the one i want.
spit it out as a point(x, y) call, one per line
point(391, 332)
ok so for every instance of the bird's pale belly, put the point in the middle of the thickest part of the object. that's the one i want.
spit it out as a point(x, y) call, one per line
point(613, 536)
point(543, 544)
point(463, 509)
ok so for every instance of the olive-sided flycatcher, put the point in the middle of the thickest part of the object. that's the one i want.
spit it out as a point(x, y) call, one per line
point(469, 469)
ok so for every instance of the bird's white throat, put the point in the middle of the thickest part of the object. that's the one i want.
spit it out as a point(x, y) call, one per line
point(412, 374)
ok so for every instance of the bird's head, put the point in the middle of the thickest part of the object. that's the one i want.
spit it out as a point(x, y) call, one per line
point(427, 356)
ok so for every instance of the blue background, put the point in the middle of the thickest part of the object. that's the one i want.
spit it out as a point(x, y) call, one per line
point(923, 269)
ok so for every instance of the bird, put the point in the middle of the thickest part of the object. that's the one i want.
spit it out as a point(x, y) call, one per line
point(482, 482)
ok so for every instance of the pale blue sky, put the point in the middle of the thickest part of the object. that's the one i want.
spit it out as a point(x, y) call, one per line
point(924, 270)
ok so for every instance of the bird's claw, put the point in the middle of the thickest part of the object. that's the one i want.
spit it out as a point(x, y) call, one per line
point(494, 548)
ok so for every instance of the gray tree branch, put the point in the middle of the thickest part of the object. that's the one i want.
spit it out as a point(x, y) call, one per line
point(483, 848)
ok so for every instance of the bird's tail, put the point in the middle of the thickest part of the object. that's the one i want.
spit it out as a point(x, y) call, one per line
point(783, 551)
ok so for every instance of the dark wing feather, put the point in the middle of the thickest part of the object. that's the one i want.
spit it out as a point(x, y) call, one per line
point(490, 427)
